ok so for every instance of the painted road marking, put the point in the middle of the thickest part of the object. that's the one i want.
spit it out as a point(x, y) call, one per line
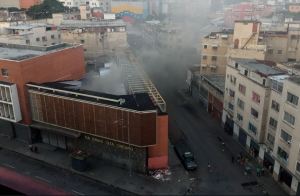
point(43, 179)
point(77, 192)
point(8, 165)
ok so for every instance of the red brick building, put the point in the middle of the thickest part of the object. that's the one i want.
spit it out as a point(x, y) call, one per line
point(23, 64)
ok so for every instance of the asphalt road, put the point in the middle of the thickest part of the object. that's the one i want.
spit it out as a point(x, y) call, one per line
point(167, 69)
point(55, 177)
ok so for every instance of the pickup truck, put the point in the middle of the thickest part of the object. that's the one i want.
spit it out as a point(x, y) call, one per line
point(185, 155)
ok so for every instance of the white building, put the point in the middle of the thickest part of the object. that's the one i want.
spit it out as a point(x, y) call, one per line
point(29, 34)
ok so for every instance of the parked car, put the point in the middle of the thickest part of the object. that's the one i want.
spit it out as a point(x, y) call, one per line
point(185, 155)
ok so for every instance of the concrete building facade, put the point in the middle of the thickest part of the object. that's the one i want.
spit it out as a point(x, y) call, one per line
point(98, 37)
point(29, 34)
point(214, 52)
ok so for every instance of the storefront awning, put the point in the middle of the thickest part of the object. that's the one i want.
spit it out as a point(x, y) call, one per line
point(55, 129)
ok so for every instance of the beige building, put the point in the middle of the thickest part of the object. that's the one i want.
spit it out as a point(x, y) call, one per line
point(246, 101)
point(250, 41)
point(29, 34)
point(261, 110)
point(246, 42)
point(283, 137)
point(214, 52)
point(98, 37)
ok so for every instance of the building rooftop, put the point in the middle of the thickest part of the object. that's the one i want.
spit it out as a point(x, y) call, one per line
point(91, 24)
point(22, 52)
point(119, 83)
point(27, 26)
point(215, 80)
point(260, 67)
point(295, 79)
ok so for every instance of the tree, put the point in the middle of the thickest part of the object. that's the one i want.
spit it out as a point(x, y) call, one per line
point(46, 9)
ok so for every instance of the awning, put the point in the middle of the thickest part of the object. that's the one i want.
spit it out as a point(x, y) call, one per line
point(55, 129)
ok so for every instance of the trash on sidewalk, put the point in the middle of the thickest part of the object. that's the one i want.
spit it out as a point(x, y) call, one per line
point(161, 174)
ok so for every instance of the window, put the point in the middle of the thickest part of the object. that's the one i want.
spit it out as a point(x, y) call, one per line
point(255, 97)
point(252, 128)
point(82, 41)
point(205, 46)
point(215, 47)
point(232, 79)
point(4, 72)
point(214, 58)
point(298, 167)
point(38, 39)
point(289, 118)
point(52, 36)
point(241, 104)
point(275, 106)
point(279, 52)
point(239, 117)
point(242, 89)
point(273, 123)
point(270, 51)
point(277, 86)
point(286, 137)
point(254, 113)
point(282, 154)
point(231, 93)
point(293, 99)
point(44, 38)
point(59, 36)
point(271, 139)
point(230, 106)
point(27, 41)
point(204, 57)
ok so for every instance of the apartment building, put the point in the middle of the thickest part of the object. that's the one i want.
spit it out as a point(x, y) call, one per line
point(282, 137)
point(98, 37)
point(246, 101)
point(214, 52)
point(29, 34)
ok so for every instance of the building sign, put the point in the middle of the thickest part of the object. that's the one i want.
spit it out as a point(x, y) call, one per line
point(109, 143)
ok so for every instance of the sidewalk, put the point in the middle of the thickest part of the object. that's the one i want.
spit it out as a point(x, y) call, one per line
point(113, 176)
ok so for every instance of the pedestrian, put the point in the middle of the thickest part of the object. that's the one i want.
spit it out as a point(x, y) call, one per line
point(30, 147)
point(232, 159)
point(35, 149)
point(209, 167)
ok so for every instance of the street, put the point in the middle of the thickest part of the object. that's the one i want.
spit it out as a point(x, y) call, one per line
point(55, 177)
point(167, 69)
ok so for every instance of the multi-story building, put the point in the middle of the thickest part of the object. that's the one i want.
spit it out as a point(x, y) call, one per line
point(46, 97)
point(214, 52)
point(29, 34)
point(20, 4)
point(98, 37)
point(282, 138)
point(246, 101)
point(249, 41)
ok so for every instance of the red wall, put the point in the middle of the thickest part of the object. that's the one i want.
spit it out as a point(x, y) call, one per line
point(28, 3)
point(67, 64)
point(158, 154)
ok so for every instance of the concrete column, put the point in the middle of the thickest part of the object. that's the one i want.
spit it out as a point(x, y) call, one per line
point(248, 141)
point(294, 185)
point(276, 170)
point(236, 131)
point(261, 153)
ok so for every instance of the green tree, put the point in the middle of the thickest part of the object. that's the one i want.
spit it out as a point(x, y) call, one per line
point(46, 9)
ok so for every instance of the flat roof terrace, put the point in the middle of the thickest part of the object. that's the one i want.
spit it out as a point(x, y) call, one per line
point(17, 52)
